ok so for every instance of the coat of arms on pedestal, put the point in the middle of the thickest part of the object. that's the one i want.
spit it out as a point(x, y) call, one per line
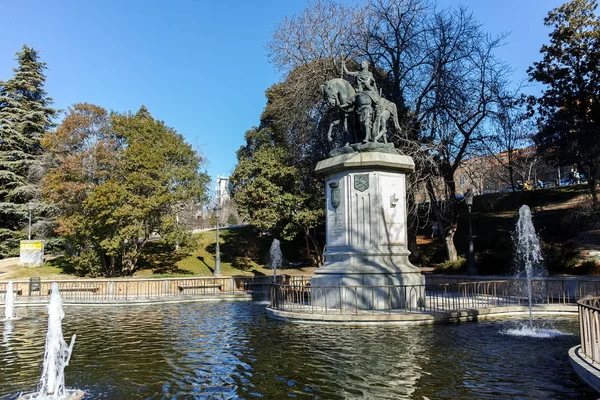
point(361, 182)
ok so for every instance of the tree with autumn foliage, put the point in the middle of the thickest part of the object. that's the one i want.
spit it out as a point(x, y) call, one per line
point(118, 179)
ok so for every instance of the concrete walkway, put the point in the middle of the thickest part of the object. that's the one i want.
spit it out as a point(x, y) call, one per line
point(14, 261)
point(8, 262)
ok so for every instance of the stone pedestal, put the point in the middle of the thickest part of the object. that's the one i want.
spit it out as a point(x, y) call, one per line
point(366, 234)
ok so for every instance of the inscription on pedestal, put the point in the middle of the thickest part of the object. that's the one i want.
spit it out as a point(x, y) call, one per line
point(336, 224)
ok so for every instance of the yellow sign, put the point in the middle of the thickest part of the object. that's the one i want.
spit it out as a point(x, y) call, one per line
point(32, 245)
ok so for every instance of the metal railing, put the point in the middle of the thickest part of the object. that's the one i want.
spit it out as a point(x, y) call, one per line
point(589, 327)
point(295, 293)
point(108, 290)
point(436, 297)
point(347, 299)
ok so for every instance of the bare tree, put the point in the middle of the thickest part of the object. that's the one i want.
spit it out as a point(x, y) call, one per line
point(316, 34)
point(510, 136)
point(442, 66)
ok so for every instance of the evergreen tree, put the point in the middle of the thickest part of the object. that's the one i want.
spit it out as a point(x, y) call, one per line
point(25, 115)
point(274, 186)
point(569, 107)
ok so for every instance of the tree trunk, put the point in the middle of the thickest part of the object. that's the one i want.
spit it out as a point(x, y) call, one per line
point(592, 180)
point(447, 222)
point(450, 247)
point(318, 253)
point(306, 242)
point(412, 240)
point(434, 206)
point(511, 174)
point(593, 189)
point(451, 230)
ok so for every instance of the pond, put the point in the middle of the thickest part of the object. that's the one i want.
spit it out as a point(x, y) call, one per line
point(230, 350)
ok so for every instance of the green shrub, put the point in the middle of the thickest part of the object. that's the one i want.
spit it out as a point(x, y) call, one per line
point(452, 267)
point(232, 220)
point(560, 257)
point(587, 267)
point(87, 263)
point(242, 263)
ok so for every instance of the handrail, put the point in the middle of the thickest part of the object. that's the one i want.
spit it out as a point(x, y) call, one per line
point(356, 299)
point(589, 327)
point(109, 290)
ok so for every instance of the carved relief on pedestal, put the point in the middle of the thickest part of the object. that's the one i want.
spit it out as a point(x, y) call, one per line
point(336, 213)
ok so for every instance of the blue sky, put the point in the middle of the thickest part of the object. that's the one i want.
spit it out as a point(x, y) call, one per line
point(200, 65)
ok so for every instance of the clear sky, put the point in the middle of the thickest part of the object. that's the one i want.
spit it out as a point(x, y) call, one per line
point(198, 65)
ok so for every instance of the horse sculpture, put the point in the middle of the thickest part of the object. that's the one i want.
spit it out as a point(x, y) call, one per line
point(339, 95)
point(372, 112)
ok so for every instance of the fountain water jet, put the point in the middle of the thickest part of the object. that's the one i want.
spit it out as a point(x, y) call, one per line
point(56, 356)
point(529, 258)
point(276, 258)
point(9, 303)
point(528, 252)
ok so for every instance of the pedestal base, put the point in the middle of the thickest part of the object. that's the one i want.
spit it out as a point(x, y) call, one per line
point(368, 291)
point(367, 265)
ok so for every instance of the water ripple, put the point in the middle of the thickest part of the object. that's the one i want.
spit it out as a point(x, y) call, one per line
point(233, 351)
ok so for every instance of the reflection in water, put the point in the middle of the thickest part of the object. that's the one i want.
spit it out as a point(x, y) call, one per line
point(7, 333)
point(6, 338)
point(232, 350)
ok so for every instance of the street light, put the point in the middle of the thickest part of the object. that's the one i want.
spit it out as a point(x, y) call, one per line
point(471, 270)
point(30, 207)
point(217, 271)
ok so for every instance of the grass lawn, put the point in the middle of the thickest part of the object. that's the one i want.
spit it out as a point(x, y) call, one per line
point(238, 247)
point(47, 271)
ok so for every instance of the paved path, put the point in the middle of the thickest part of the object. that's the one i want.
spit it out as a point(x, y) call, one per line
point(7, 262)
point(11, 262)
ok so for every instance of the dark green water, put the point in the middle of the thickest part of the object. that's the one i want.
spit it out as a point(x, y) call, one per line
point(233, 350)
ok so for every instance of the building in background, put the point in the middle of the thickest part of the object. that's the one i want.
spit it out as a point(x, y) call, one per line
point(490, 174)
point(229, 214)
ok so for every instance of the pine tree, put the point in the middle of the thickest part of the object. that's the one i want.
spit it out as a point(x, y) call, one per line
point(25, 115)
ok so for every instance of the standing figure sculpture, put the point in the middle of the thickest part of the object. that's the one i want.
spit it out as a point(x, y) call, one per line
point(367, 99)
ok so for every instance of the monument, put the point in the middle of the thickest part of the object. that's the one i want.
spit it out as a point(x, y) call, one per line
point(365, 184)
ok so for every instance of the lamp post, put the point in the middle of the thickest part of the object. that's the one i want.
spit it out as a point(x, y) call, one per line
point(471, 270)
point(217, 271)
point(30, 207)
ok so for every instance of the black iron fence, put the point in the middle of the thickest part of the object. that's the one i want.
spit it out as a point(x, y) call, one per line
point(300, 296)
point(295, 293)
